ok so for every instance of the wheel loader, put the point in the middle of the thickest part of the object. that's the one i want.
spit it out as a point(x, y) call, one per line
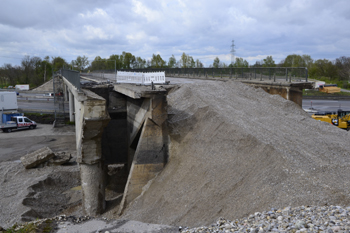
point(340, 118)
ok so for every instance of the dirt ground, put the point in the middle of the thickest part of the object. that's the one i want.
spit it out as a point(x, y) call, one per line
point(27, 194)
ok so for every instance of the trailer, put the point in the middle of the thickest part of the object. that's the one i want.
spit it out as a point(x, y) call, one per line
point(22, 87)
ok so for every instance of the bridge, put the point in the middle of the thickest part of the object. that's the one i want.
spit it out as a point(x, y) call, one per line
point(122, 129)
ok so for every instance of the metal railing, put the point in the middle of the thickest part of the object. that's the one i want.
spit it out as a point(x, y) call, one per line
point(72, 76)
point(288, 74)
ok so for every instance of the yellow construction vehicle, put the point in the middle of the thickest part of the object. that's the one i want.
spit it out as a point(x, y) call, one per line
point(329, 88)
point(340, 118)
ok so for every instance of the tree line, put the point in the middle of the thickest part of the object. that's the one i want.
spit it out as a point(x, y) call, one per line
point(35, 71)
point(336, 71)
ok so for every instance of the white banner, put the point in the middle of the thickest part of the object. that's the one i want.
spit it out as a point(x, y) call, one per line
point(129, 77)
point(156, 77)
point(140, 78)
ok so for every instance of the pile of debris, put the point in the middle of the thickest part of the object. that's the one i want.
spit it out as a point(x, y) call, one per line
point(236, 150)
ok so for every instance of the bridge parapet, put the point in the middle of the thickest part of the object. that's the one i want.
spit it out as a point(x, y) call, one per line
point(72, 76)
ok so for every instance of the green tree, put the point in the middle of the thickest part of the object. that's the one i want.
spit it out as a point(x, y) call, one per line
point(114, 61)
point(294, 60)
point(98, 63)
point(268, 62)
point(128, 60)
point(343, 67)
point(80, 63)
point(139, 63)
point(199, 64)
point(187, 61)
point(216, 62)
point(240, 62)
point(258, 64)
point(172, 62)
point(31, 67)
point(58, 63)
point(11, 75)
point(47, 68)
point(157, 61)
point(308, 60)
point(323, 68)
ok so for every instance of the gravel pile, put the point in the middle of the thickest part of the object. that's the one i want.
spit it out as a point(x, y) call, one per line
point(298, 219)
point(236, 150)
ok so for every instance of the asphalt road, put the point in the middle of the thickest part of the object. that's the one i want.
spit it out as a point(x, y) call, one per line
point(20, 142)
point(326, 105)
point(40, 106)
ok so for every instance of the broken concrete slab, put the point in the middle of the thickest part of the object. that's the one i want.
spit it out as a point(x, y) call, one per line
point(37, 157)
point(59, 159)
point(115, 168)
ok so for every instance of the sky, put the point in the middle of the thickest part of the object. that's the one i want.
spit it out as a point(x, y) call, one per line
point(202, 29)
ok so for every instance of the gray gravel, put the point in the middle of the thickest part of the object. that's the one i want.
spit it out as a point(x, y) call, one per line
point(299, 219)
point(236, 150)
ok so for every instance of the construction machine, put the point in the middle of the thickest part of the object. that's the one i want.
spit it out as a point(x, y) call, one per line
point(340, 118)
point(329, 88)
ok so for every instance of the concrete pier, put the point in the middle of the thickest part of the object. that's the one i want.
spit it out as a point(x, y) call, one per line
point(147, 137)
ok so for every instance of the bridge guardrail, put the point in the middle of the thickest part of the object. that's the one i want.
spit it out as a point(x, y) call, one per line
point(299, 74)
point(72, 76)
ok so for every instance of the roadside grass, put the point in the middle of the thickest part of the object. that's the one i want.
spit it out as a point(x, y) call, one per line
point(31, 227)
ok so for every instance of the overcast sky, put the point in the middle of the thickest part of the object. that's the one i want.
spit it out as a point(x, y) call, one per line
point(202, 29)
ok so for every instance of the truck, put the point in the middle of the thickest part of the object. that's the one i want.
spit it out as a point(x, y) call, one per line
point(16, 122)
point(22, 87)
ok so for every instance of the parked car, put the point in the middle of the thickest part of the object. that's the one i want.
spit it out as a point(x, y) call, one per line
point(49, 94)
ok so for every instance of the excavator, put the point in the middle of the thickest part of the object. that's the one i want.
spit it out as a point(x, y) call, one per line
point(340, 118)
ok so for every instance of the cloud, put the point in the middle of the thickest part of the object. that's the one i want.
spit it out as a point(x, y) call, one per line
point(203, 29)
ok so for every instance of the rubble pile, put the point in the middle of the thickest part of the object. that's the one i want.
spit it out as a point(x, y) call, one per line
point(236, 150)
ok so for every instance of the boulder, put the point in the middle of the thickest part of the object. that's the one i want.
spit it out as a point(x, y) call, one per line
point(37, 157)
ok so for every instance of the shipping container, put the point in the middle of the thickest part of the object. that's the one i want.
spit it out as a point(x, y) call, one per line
point(6, 116)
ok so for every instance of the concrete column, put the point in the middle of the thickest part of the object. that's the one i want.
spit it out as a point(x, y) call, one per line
point(71, 107)
point(93, 188)
point(92, 170)
point(65, 92)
